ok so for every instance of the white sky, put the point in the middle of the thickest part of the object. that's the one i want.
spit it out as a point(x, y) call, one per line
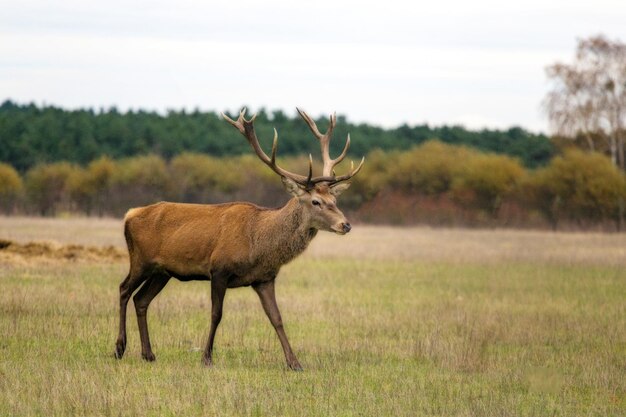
point(478, 63)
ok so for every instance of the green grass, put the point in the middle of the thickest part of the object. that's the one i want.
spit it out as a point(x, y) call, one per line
point(396, 337)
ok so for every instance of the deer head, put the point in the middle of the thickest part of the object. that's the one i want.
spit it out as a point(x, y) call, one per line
point(317, 195)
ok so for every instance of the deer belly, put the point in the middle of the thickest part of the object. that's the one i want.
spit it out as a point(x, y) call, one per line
point(185, 278)
point(185, 270)
point(255, 276)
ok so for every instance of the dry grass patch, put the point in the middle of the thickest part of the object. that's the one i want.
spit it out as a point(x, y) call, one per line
point(44, 251)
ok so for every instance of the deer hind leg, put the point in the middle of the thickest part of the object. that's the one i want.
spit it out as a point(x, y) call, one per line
point(142, 299)
point(133, 280)
point(268, 300)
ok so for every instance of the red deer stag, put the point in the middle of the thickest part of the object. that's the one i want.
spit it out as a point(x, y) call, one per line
point(232, 245)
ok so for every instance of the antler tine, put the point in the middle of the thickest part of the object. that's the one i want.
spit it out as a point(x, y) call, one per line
point(274, 145)
point(308, 180)
point(239, 123)
point(246, 127)
point(310, 123)
point(324, 141)
point(350, 174)
point(343, 153)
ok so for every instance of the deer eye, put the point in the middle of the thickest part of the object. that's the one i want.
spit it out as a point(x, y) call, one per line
point(315, 203)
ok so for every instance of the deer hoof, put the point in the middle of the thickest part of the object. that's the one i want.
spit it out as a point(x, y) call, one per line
point(149, 357)
point(295, 367)
point(120, 347)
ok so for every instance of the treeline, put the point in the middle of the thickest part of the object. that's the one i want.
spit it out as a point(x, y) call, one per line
point(433, 183)
point(32, 135)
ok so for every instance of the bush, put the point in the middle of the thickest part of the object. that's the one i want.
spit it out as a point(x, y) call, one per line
point(434, 183)
point(91, 189)
point(428, 169)
point(201, 178)
point(373, 177)
point(260, 184)
point(139, 181)
point(10, 188)
point(578, 186)
point(486, 180)
point(47, 186)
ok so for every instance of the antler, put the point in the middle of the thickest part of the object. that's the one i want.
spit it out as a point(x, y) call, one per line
point(325, 142)
point(246, 127)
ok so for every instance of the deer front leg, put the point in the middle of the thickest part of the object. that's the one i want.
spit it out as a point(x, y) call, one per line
point(218, 290)
point(267, 295)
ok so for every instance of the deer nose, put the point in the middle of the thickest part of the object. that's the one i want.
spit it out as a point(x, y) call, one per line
point(346, 227)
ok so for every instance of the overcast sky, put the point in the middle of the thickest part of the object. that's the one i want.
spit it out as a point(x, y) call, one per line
point(478, 63)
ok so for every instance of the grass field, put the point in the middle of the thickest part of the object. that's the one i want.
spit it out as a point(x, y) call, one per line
point(398, 322)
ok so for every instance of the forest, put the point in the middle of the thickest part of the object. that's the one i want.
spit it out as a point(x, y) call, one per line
point(32, 135)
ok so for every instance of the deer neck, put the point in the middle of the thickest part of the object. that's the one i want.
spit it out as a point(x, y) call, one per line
point(297, 219)
point(290, 232)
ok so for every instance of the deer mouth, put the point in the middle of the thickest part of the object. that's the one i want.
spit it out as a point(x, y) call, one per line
point(342, 228)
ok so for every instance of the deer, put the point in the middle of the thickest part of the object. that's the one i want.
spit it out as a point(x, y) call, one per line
point(232, 245)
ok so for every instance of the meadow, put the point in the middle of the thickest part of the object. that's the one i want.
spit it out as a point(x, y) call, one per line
point(385, 321)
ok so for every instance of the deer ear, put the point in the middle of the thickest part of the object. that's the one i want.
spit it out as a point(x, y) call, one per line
point(292, 187)
point(339, 188)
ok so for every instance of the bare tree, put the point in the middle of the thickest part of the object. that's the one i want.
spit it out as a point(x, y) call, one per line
point(588, 97)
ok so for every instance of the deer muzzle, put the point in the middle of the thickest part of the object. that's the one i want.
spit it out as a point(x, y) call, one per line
point(342, 228)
